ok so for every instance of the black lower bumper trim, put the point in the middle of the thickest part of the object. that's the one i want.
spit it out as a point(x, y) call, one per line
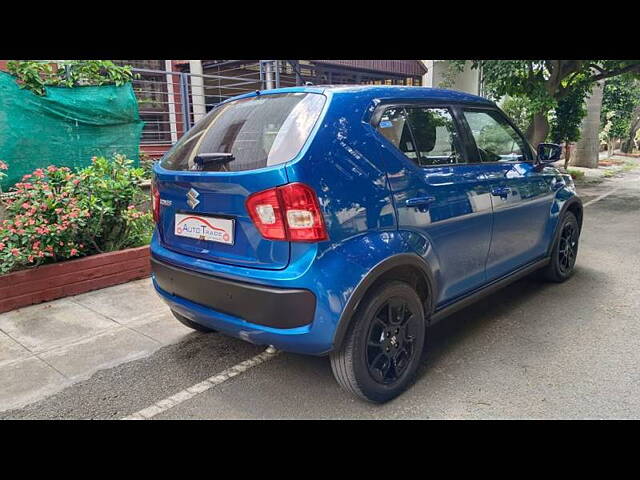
point(272, 307)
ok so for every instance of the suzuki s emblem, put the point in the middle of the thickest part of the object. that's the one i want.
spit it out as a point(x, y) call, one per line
point(192, 198)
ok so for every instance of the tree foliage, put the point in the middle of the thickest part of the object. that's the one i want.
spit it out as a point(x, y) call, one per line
point(566, 120)
point(620, 97)
point(544, 83)
point(567, 117)
point(519, 110)
point(36, 75)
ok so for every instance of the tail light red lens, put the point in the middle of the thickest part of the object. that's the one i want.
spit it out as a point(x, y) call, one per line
point(303, 216)
point(290, 212)
point(264, 210)
point(155, 201)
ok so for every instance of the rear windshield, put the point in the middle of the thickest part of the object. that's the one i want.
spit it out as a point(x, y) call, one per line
point(257, 131)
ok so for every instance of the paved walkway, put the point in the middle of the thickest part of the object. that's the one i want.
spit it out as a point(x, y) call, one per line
point(596, 175)
point(45, 348)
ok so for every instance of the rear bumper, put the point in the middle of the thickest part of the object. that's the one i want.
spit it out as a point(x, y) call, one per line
point(330, 276)
point(279, 308)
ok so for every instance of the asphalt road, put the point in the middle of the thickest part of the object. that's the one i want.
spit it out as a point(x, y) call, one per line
point(533, 350)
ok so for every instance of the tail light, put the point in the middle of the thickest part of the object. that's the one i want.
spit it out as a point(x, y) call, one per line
point(155, 200)
point(290, 212)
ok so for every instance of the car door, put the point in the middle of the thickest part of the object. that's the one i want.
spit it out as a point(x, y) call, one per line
point(521, 195)
point(436, 193)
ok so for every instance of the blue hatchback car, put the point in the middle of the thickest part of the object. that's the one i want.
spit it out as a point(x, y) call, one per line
point(343, 220)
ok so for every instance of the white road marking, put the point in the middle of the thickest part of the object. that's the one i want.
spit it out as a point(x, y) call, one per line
point(604, 195)
point(190, 392)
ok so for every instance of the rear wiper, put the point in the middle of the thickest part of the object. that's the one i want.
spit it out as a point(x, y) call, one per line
point(203, 159)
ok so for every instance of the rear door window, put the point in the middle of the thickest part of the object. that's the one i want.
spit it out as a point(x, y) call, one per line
point(435, 135)
point(257, 132)
point(395, 128)
point(426, 135)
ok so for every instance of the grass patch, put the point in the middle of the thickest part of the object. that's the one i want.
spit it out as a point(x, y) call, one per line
point(625, 167)
point(577, 175)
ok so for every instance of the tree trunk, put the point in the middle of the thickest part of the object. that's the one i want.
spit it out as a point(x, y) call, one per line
point(538, 129)
point(627, 144)
point(567, 154)
point(587, 148)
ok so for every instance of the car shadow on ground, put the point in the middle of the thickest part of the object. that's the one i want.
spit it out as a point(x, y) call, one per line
point(509, 302)
point(443, 336)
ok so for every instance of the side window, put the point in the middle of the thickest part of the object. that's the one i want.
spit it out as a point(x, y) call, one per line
point(426, 135)
point(435, 136)
point(496, 140)
point(394, 127)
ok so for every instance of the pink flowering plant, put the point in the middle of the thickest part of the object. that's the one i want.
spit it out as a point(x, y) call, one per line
point(57, 214)
point(45, 220)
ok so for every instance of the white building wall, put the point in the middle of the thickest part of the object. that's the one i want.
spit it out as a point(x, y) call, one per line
point(466, 81)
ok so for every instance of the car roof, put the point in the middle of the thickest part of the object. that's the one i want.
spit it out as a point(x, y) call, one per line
point(368, 93)
point(388, 92)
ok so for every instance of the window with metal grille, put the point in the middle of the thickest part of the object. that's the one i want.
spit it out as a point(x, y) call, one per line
point(153, 99)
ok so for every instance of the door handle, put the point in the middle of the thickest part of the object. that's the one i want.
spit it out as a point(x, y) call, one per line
point(502, 192)
point(420, 202)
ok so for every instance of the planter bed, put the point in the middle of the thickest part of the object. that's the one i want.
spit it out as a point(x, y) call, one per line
point(72, 277)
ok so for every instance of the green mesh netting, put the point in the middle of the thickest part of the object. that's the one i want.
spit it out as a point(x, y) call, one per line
point(65, 127)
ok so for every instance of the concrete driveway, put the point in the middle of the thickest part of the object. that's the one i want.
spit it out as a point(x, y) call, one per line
point(533, 350)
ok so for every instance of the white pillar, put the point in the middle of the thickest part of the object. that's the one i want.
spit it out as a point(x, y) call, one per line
point(171, 100)
point(427, 78)
point(268, 72)
point(197, 90)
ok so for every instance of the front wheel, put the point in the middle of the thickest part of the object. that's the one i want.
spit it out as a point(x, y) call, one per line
point(380, 355)
point(565, 250)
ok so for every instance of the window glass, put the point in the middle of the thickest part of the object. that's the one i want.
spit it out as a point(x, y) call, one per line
point(394, 127)
point(434, 132)
point(425, 135)
point(258, 131)
point(496, 140)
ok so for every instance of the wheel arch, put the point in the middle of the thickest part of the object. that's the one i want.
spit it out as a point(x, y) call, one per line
point(407, 267)
point(573, 205)
point(576, 208)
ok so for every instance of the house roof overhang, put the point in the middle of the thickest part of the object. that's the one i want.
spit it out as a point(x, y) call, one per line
point(395, 67)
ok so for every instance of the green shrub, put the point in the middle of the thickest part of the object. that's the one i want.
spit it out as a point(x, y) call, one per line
point(56, 214)
point(36, 75)
point(109, 189)
point(146, 163)
point(575, 174)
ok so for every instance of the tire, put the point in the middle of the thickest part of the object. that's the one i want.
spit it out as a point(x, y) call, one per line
point(564, 252)
point(195, 326)
point(380, 356)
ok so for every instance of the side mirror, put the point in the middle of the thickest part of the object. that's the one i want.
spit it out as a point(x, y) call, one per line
point(548, 153)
